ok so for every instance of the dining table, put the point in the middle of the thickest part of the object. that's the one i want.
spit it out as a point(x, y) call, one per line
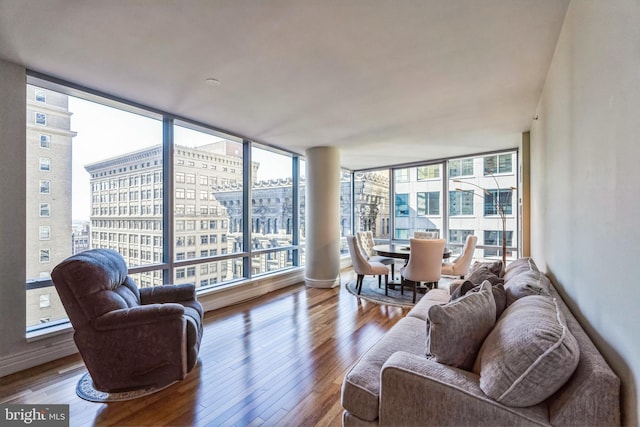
point(401, 251)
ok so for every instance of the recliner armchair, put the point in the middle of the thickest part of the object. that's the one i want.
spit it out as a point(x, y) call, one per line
point(128, 337)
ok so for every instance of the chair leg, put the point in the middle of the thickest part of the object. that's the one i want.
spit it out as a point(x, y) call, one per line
point(379, 280)
point(386, 285)
point(415, 290)
point(359, 283)
point(401, 285)
point(393, 265)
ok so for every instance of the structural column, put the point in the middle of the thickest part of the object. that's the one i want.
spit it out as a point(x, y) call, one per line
point(322, 217)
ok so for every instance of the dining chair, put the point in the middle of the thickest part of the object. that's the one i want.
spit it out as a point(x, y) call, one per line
point(425, 263)
point(460, 265)
point(426, 235)
point(362, 266)
point(366, 243)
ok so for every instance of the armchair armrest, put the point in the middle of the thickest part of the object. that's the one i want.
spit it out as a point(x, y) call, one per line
point(416, 391)
point(136, 316)
point(168, 293)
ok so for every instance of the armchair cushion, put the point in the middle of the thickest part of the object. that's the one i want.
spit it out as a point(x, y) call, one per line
point(455, 331)
point(168, 293)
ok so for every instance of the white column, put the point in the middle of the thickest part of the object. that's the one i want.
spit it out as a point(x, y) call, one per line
point(322, 217)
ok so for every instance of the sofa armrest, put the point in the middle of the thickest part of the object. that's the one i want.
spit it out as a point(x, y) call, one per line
point(136, 316)
point(415, 390)
point(168, 293)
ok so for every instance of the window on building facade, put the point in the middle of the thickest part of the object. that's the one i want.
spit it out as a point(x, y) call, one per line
point(460, 167)
point(45, 232)
point(40, 118)
point(45, 210)
point(428, 172)
point(402, 204)
point(429, 203)
point(498, 164)
point(45, 141)
point(45, 164)
point(460, 203)
point(493, 199)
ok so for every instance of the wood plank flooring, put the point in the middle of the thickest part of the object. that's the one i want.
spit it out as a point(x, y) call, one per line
point(278, 360)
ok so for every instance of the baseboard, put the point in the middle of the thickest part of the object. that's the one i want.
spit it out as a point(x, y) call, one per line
point(62, 347)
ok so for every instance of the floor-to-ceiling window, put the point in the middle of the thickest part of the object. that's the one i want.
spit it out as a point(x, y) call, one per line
point(482, 198)
point(417, 200)
point(371, 202)
point(169, 195)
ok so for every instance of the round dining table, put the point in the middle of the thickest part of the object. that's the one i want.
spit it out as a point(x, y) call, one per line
point(401, 251)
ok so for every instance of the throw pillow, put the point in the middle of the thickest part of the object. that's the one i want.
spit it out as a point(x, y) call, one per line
point(525, 284)
point(459, 292)
point(483, 273)
point(529, 354)
point(494, 266)
point(518, 266)
point(499, 296)
point(455, 331)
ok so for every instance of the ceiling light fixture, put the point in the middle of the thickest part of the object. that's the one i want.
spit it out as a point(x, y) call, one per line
point(212, 82)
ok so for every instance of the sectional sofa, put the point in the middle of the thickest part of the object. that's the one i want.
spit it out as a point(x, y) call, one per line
point(449, 362)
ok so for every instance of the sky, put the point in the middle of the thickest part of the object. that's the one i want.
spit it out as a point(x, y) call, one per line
point(104, 132)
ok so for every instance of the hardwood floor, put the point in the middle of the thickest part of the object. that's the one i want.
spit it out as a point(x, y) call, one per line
point(278, 360)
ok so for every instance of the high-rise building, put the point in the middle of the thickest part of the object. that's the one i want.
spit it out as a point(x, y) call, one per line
point(48, 206)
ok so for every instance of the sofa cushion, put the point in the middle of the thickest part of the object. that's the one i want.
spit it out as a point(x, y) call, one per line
point(529, 354)
point(361, 385)
point(525, 284)
point(518, 266)
point(433, 297)
point(455, 331)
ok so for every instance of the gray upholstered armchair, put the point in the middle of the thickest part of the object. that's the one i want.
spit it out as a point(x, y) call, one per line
point(128, 337)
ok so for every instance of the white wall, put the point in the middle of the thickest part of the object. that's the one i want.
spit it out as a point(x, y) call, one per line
point(585, 179)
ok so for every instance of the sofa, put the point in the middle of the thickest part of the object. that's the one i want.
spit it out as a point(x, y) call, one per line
point(492, 350)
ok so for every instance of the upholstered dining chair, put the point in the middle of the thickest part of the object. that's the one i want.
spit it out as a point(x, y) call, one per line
point(425, 263)
point(366, 243)
point(363, 267)
point(460, 265)
point(129, 338)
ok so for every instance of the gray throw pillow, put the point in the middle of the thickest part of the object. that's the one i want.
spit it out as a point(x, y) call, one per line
point(455, 331)
point(525, 284)
point(484, 273)
point(518, 266)
point(494, 266)
point(499, 296)
point(529, 354)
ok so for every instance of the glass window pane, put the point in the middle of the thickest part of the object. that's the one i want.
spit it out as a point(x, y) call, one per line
point(208, 173)
point(345, 210)
point(82, 185)
point(418, 202)
point(475, 204)
point(371, 202)
point(271, 207)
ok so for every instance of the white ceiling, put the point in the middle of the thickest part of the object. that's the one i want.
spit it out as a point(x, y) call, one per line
point(387, 81)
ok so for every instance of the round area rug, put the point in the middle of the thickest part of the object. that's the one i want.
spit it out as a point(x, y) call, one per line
point(86, 391)
point(371, 292)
